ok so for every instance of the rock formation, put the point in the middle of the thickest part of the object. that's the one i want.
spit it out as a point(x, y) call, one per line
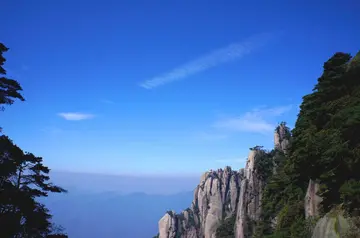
point(281, 137)
point(312, 200)
point(215, 198)
point(221, 194)
point(249, 203)
point(332, 225)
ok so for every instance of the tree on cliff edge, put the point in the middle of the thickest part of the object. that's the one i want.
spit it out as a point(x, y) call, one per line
point(325, 147)
point(23, 178)
point(326, 144)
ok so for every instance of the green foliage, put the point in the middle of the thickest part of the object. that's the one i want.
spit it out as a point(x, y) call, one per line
point(277, 234)
point(325, 146)
point(227, 228)
point(354, 229)
point(263, 163)
point(23, 179)
point(171, 213)
point(259, 230)
point(258, 147)
point(9, 88)
point(287, 130)
point(350, 195)
point(325, 143)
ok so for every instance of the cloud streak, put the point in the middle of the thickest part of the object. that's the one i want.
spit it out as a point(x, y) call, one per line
point(212, 59)
point(256, 121)
point(107, 101)
point(75, 116)
point(210, 136)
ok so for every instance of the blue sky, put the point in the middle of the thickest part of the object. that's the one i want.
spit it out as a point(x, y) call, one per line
point(163, 87)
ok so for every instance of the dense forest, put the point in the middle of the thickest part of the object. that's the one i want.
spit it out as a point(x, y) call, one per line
point(23, 179)
point(324, 147)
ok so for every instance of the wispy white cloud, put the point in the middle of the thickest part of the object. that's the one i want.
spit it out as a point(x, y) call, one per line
point(272, 111)
point(258, 120)
point(107, 101)
point(57, 131)
point(210, 60)
point(204, 136)
point(75, 116)
point(53, 130)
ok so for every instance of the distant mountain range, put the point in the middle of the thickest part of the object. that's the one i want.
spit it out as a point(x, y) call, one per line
point(122, 212)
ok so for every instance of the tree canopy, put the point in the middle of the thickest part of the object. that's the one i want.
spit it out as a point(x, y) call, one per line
point(325, 147)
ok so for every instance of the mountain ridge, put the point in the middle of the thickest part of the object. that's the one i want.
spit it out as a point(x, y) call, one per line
point(224, 193)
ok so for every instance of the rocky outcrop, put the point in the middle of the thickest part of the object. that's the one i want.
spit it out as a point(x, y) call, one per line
point(249, 205)
point(168, 225)
point(312, 200)
point(222, 194)
point(332, 225)
point(281, 137)
point(219, 195)
point(215, 198)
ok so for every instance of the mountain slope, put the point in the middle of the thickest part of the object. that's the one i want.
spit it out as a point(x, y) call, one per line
point(226, 195)
point(308, 186)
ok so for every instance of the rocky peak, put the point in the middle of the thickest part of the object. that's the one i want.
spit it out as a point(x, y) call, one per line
point(281, 137)
point(215, 198)
point(222, 194)
point(249, 205)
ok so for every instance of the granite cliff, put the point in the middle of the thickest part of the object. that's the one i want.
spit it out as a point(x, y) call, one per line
point(223, 195)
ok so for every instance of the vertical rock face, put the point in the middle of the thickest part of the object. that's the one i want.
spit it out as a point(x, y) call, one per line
point(281, 137)
point(215, 198)
point(221, 194)
point(312, 200)
point(167, 225)
point(250, 197)
point(249, 206)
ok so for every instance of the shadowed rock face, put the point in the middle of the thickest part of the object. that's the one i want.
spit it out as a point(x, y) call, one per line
point(220, 195)
point(312, 200)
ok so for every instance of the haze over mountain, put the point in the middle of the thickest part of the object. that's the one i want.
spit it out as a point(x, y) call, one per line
point(109, 205)
point(125, 184)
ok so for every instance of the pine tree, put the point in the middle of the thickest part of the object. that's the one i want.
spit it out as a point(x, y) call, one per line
point(9, 88)
point(325, 147)
point(324, 144)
